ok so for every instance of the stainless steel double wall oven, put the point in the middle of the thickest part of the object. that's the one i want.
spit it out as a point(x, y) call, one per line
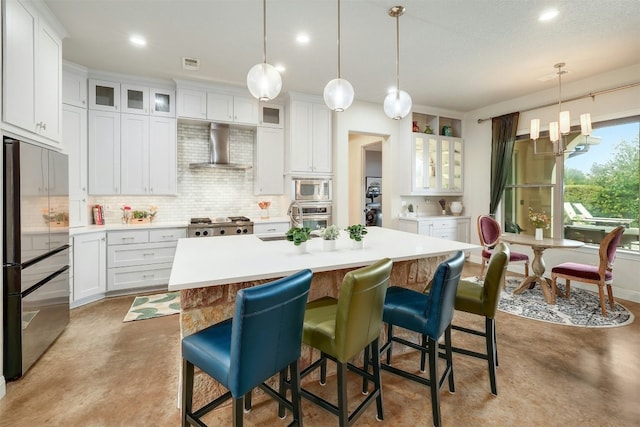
point(313, 197)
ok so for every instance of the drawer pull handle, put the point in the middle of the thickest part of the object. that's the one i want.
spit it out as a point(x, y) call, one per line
point(128, 238)
point(149, 254)
point(168, 237)
point(271, 229)
point(148, 275)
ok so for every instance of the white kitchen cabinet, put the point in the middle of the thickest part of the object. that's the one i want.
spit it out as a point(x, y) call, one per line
point(104, 95)
point(134, 154)
point(140, 258)
point(309, 139)
point(74, 135)
point(89, 267)
point(271, 115)
point(436, 165)
point(232, 108)
point(162, 102)
point(32, 75)
point(104, 152)
point(135, 99)
point(163, 166)
point(449, 228)
point(191, 104)
point(269, 161)
point(74, 86)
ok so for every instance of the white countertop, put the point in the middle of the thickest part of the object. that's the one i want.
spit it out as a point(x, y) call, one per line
point(115, 226)
point(211, 261)
point(432, 217)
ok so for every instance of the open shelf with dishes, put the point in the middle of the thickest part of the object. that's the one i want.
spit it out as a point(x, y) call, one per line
point(437, 125)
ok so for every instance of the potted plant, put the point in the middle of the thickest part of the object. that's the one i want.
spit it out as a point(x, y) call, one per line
point(410, 212)
point(330, 234)
point(299, 237)
point(356, 233)
point(139, 216)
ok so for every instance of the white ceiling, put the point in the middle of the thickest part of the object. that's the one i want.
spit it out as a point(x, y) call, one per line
point(454, 54)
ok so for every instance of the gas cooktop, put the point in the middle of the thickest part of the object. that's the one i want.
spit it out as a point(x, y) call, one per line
point(220, 220)
point(220, 226)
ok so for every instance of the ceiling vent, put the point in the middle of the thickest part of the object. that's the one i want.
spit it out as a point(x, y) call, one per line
point(190, 64)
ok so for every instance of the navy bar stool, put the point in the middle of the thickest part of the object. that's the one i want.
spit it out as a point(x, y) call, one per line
point(262, 339)
point(430, 315)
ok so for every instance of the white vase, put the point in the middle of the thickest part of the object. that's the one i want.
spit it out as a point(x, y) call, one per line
point(539, 232)
point(357, 244)
point(329, 245)
point(456, 208)
point(301, 248)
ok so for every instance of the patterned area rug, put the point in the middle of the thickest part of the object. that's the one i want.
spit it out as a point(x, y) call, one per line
point(581, 309)
point(150, 306)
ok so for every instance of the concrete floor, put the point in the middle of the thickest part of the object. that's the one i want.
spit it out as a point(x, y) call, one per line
point(102, 372)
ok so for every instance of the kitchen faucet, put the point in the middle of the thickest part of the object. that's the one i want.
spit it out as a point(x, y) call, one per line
point(295, 222)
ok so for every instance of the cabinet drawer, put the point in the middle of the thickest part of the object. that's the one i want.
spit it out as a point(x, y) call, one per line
point(444, 223)
point(271, 228)
point(140, 254)
point(445, 233)
point(167, 234)
point(126, 278)
point(127, 237)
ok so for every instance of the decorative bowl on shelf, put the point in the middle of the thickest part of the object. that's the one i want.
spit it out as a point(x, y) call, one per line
point(456, 208)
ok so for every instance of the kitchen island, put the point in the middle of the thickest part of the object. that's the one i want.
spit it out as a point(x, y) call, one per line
point(209, 271)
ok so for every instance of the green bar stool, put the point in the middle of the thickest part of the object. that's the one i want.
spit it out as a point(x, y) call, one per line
point(482, 300)
point(262, 339)
point(341, 329)
point(430, 315)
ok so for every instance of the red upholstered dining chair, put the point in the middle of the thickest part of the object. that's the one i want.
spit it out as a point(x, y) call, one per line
point(489, 232)
point(599, 275)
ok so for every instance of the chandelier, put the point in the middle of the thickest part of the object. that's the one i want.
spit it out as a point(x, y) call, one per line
point(338, 93)
point(558, 130)
point(263, 80)
point(397, 104)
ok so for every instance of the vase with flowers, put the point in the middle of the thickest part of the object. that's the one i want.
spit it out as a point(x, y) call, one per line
point(126, 214)
point(329, 236)
point(540, 221)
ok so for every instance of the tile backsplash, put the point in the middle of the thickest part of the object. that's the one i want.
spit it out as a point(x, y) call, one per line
point(202, 192)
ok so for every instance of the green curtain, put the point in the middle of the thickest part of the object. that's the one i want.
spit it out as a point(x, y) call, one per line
point(503, 137)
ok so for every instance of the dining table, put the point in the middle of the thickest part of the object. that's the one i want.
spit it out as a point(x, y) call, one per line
point(537, 265)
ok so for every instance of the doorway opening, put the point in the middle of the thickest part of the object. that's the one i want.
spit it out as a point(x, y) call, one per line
point(365, 179)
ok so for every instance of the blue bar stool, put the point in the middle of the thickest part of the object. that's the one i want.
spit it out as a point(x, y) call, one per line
point(262, 339)
point(430, 315)
point(341, 329)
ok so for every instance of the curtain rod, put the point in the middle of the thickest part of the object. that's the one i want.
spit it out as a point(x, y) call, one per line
point(590, 95)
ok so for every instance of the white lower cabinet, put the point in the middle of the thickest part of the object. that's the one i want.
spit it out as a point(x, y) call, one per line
point(140, 258)
point(456, 229)
point(89, 267)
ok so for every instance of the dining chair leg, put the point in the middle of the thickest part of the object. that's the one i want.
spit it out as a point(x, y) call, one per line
point(490, 332)
point(433, 381)
point(282, 377)
point(247, 401)
point(567, 288)
point(187, 390)
point(323, 369)
point(366, 359)
point(603, 306)
point(423, 354)
point(612, 302)
point(495, 342)
point(390, 341)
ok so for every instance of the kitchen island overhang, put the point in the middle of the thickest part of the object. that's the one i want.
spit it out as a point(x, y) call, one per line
point(210, 271)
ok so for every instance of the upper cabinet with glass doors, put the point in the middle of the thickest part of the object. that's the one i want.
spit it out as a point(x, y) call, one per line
point(437, 160)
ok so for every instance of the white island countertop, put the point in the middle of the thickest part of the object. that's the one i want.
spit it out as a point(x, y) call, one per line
point(211, 261)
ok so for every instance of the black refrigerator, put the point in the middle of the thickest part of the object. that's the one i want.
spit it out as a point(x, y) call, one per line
point(35, 252)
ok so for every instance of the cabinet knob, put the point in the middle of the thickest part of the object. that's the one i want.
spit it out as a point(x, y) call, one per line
point(83, 102)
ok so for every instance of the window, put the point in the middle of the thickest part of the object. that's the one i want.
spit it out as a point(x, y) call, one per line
point(588, 191)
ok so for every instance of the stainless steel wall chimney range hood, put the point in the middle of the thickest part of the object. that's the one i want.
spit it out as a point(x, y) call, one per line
point(219, 142)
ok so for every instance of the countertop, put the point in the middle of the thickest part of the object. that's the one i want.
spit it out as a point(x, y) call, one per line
point(208, 262)
point(432, 217)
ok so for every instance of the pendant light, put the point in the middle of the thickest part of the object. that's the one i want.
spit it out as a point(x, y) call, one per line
point(263, 80)
point(338, 93)
point(397, 104)
point(559, 129)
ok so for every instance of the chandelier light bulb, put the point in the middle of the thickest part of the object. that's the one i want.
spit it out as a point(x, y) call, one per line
point(585, 124)
point(554, 136)
point(338, 95)
point(534, 131)
point(264, 81)
point(397, 104)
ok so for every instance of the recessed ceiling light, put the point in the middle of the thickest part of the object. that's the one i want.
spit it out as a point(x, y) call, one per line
point(548, 15)
point(281, 68)
point(137, 40)
point(302, 38)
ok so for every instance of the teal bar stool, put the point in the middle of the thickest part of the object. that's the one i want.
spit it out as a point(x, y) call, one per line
point(262, 339)
point(341, 329)
point(482, 300)
point(430, 315)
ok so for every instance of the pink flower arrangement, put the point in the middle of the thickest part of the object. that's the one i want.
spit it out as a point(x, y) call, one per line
point(539, 219)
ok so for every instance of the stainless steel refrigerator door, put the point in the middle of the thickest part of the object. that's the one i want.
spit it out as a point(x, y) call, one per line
point(58, 200)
